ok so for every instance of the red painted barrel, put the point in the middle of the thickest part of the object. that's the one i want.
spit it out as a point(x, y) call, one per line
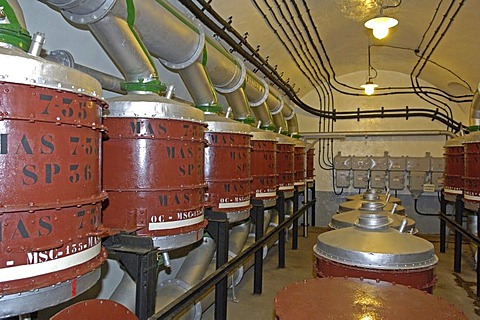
point(347, 298)
point(285, 163)
point(299, 163)
point(50, 191)
point(264, 166)
point(310, 165)
point(373, 250)
point(153, 169)
point(227, 167)
point(472, 168)
point(454, 166)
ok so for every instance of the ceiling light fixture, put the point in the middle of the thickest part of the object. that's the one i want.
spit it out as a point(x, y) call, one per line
point(370, 86)
point(381, 24)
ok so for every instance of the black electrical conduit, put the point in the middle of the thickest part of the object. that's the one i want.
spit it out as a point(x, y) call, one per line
point(423, 213)
point(261, 65)
point(446, 95)
point(414, 74)
point(201, 288)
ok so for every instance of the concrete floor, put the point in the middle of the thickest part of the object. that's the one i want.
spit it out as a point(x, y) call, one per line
point(458, 289)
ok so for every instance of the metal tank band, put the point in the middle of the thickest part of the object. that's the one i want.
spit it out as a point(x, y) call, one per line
point(454, 167)
point(264, 167)
point(310, 176)
point(471, 190)
point(153, 169)
point(227, 167)
point(50, 212)
point(299, 163)
point(285, 164)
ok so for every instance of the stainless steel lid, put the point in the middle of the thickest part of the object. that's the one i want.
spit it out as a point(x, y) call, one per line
point(373, 195)
point(373, 207)
point(218, 123)
point(348, 219)
point(372, 244)
point(455, 142)
point(300, 144)
point(151, 106)
point(20, 67)
point(263, 135)
point(282, 139)
point(473, 137)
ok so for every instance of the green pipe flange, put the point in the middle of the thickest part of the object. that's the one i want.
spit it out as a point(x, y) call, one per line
point(473, 128)
point(11, 31)
point(211, 108)
point(246, 120)
point(296, 136)
point(154, 86)
point(285, 133)
point(270, 127)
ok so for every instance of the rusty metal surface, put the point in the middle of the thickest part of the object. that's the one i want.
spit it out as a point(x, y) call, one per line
point(50, 204)
point(285, 165)
point(472, 169)
point(227, 171)
point(423, 278)
point(97, 309)
point(264, 169)
point(299, 164)
point(355, 299)
point(454, 169)
point(310, 164)
point(153, 172)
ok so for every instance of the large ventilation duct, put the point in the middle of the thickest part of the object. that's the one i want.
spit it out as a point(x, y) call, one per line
point(179, 42)
point(475, 112)
point(256, 91)
point(276, 104)
point(291, 117)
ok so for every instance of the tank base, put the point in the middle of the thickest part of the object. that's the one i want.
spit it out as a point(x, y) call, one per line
point(38, 299)
point(170, 242)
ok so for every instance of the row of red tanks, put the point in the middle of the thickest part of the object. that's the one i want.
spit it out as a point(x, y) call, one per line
point(161, 162)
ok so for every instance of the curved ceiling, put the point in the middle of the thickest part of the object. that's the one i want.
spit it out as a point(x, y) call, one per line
point(444, 31)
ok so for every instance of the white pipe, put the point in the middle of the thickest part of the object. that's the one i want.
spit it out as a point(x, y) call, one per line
point(351, 134)
point(475, 110)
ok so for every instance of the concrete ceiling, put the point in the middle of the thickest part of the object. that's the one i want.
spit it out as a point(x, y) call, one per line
point(453, 66)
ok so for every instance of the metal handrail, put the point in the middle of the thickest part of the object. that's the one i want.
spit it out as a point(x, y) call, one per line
point(206, 284)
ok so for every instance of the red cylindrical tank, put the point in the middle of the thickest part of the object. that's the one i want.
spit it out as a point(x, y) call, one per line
point(472, 168)
point(373, 250)
point(345, 298)
point(153, 169)
point(50, 203)
point(264, 166)
point(299, 163)
point(227, 167)
point(285, 164)
point(310, 166)
point(454, 167)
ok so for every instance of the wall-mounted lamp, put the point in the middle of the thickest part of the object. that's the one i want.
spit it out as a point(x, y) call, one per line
point(381, 24)
point(370, 86)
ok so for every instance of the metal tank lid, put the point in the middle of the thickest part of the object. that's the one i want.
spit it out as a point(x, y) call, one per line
point(23, 68)
point(371, 243)
point(371, 206)
point(151, 106)
point(349, 218)
point(283, 139)
point(473, 137)
point(217, 123)
point(455, 142)
point(300, 143)
point(263, 135)
point(375, 197)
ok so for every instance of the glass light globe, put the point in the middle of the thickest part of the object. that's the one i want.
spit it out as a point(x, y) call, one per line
point(369, 87)
point(380, 26)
